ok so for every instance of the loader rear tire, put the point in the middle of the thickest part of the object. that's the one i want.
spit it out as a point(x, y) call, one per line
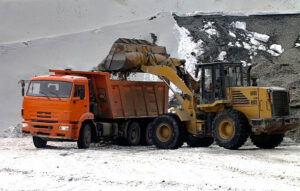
point(230, 129)
point(133, 134)
point(167, 132)
point(193, 141)
point(85, 137)
point(265, 141)
point(39, 142)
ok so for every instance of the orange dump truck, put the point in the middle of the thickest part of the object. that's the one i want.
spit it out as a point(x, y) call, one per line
point(89, 107)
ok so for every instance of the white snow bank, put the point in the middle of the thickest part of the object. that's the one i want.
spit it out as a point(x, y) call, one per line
point(82, 51)
point(12, 132)
point(33, 19)
point(186, 46)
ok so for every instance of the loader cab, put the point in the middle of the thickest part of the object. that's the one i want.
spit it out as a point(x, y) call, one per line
point(216, 77)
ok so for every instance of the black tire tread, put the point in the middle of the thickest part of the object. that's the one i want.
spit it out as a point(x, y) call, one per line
point(39, 142)
point(265, 141)
point(131, 125)
point(178, 136)
point(242, 129)
point(81, 143)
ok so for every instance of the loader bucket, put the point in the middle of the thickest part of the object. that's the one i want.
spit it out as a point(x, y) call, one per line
point(127, 55)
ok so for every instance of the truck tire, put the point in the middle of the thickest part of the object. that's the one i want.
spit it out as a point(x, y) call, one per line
point(167, 133)
point(85, 137)
point(230, 129)
point(133, 134)
point(193, 141)
point(265, 141)
point(148, 134)
point(39, 142)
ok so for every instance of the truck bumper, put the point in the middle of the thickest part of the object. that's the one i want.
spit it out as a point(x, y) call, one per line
point(275, 124)
point(51, 131)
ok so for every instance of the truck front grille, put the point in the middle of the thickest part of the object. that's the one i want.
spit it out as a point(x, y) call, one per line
point(43, 121)
point(280, 103)
point(41, 114)
point(43, 127)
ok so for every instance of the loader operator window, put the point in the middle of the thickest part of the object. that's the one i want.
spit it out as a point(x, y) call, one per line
point(208, 80)
point(49, 88)
point(232, 76)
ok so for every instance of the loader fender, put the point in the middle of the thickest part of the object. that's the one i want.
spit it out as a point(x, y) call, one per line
point(182, 114)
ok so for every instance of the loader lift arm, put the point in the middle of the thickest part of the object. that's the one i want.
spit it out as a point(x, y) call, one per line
point(131, 55)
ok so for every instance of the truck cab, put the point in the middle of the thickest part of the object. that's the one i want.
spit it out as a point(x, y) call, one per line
point(54, 107)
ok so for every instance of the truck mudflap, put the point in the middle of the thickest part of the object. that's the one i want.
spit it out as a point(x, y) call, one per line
point(275, 124)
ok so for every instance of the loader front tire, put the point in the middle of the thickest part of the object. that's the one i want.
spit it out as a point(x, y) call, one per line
point(167, 132)
point(265, 141)
point(193, 141)
point(85, 137)
point(39, 142)
point(230, 129)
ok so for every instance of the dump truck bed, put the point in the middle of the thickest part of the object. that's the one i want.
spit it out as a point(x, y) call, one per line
point(125, 99)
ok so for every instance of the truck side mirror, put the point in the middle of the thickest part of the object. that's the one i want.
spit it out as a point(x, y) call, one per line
point(22, 82)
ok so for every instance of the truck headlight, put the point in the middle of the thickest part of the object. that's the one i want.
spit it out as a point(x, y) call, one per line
point(24, 124)
point(63, 128)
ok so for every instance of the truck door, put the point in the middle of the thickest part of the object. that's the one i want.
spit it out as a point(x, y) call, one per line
point(80, 100)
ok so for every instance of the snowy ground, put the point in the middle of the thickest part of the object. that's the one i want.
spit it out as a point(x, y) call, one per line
point(62, 166)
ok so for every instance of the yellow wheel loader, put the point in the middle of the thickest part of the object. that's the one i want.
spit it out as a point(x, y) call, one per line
point(219, 107)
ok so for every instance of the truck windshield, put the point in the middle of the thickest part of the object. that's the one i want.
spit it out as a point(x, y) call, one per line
point(49, 88)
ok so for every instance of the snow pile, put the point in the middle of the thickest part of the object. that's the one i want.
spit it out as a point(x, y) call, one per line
point(12, 132)
point(188, 49)
point(81, 51)
point(27, 20)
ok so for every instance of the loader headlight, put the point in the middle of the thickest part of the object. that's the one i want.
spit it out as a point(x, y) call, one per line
point(63, 128)
point(24, 124)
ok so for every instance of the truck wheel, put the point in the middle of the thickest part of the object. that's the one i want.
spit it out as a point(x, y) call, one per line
point(265, 141)
point(85, 137)
point(193, 141)
point(148, 134)
point(167, 133)
point(133, 134)
point(39, 142)
point(230, 129)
